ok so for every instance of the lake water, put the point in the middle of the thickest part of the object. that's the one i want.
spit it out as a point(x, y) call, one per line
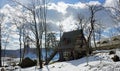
point(56, 57)
point(31, 54)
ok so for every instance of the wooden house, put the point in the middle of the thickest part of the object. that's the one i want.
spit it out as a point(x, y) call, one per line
point(72, 45)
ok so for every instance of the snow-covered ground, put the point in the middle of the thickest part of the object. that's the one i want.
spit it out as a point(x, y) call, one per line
point(100, 61)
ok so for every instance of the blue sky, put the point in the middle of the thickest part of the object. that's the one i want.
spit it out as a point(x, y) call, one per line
point(3, 2)
point(75, 1)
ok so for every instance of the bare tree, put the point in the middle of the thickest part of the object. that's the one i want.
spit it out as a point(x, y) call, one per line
point(20, 40)
point(20, 37)
point(82, 22)
point(37, 24)
point(114, 13)
point(99, 32)
point(91, 29)
point(93, 10)
point(60, 52)
point(1, 21)
point(5, 46)
point(19, 22)
point(26, 41)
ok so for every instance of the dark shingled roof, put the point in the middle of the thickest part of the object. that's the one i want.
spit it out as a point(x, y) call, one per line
point(71, 36)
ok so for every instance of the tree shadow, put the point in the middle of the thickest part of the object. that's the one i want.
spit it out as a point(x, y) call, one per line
point(83, 60)
point(47, 68)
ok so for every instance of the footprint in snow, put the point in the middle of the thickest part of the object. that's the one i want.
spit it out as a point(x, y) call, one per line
point(53, 67)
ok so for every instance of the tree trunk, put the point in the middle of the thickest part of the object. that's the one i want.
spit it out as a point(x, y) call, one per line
point(0, 47)
point(61, 55)
point(24, 43)
point(24, 50)
point(46, 48)
point(94, 39)
point(39, 53)
point(51, 57)
point(20, 44)
point(38, 38)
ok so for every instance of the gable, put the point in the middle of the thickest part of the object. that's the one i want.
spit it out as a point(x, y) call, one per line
point(68, 39)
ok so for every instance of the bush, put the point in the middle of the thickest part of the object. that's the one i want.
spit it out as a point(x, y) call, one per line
point(2, 69)
point(115, 58)
point(35, 61)
point(104, 42)
point(27, 62)
point(111, 52)
point(98, 42)
point(115, 39)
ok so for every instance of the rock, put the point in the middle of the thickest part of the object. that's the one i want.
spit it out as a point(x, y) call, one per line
point(2, 69)
point(115, 58)
point(27, 62)
point(111, 52)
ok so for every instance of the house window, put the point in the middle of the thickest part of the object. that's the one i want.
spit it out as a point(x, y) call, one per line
point(66, 41)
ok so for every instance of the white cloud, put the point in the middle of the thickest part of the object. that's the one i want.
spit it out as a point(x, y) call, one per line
point(60, 7)
point(70, 11)
point(110, 3)
point(94, 3)
point(68, 24)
